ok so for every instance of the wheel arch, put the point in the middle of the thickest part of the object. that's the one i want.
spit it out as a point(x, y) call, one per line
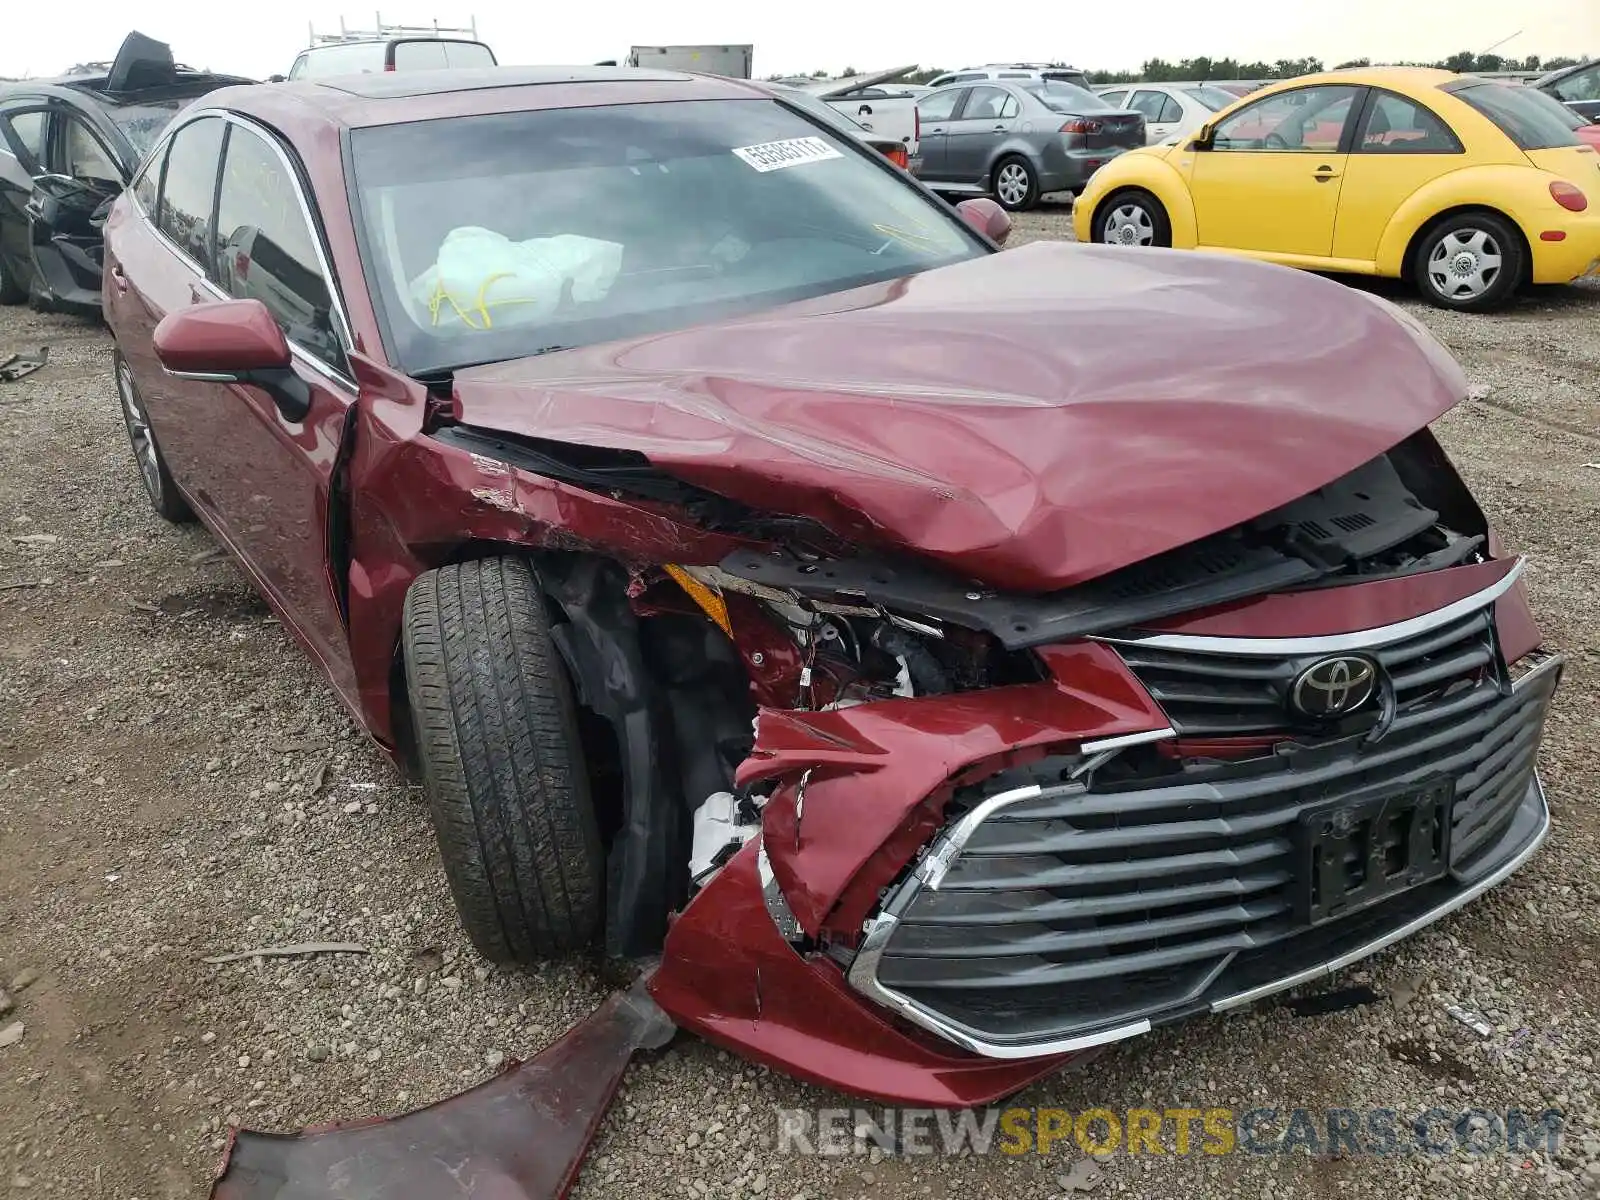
point(597, 637)
point(1155, 178)
point(1012, 148)
point(1497, 191)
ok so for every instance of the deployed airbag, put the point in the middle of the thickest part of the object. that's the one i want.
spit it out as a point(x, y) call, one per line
point(482, 279)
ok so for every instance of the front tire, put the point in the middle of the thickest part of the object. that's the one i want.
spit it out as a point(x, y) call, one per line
point(158, 486)
point(1016, 184)
point(1469, 262)
point(1132, 218)
point(497, 734)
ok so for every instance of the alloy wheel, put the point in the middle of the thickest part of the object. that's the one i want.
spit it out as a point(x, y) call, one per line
point(1129, 225)
point(1465, 264)
point(144, 442)
point(1011, 184)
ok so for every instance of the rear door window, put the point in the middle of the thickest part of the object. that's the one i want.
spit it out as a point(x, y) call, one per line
point(189, 188)
point(985, 104)
point(1150, 104)
point(267, 250)
point(1525, 121)
point(1114, 99)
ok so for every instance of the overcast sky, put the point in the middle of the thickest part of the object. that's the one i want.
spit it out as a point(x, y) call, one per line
point(263, 38)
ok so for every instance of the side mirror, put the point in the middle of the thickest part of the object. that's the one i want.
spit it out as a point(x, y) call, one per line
point(987, 217)
point(277, 78)
point(1202, 137)
point(233, 341)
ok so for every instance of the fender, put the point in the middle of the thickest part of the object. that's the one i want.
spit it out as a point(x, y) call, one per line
point(1515, 192)
point(416, 503)
point(1152, 173)
point(1012, 147)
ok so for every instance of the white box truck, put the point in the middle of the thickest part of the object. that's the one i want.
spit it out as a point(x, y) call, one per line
point(733, 61)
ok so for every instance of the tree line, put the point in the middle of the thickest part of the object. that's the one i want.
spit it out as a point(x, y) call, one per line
point(1159, 70)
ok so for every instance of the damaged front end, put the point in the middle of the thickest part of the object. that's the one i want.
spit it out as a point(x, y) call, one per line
point(1034, 825)
point(925, 766)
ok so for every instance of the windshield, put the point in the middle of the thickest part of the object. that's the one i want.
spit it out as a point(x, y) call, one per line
point(1520, 117)
point(512, 234)
point(1212, 98)
point(144, 122)
point(1063, 97)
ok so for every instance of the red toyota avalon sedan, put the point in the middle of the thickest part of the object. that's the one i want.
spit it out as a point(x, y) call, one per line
point(929, 662)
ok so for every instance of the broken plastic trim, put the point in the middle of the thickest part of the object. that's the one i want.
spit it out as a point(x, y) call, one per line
point(521, 1135)
point(1337, 534)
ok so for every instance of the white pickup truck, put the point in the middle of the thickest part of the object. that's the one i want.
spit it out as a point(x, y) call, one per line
point(877, 103)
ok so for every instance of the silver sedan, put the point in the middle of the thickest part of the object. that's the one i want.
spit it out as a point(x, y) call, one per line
point(1018, 141)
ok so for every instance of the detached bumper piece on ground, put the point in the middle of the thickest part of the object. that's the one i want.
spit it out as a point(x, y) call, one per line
point(520, 1136)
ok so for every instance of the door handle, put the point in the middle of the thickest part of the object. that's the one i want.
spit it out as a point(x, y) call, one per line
point(118, 279)
point(999, 129)
point(1323, 174)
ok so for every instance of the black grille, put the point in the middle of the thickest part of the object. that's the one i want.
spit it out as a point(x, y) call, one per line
point(1223, 695)
point(1082, 909)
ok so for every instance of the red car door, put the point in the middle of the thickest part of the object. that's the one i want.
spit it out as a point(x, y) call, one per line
point(260, 481)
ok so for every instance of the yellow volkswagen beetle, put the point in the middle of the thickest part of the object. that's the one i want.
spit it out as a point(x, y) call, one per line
point(1467, 187)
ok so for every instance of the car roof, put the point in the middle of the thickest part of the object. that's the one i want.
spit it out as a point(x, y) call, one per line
point(1415, 81)
point(187, 85)
point(1561, 73)
point(399, 97)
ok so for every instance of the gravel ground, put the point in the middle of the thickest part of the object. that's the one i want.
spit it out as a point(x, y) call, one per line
point(175, 781)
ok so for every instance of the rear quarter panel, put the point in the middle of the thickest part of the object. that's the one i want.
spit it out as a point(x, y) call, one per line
point(1521, 193)
point(1153, 171)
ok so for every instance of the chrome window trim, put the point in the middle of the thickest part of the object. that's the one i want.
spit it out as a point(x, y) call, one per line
point(1332, 643)
point(341, 324)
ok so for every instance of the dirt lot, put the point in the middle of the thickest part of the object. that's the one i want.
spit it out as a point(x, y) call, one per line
point(176, 782)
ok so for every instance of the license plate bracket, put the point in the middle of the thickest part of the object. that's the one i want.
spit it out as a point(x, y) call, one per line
point(1358, 851)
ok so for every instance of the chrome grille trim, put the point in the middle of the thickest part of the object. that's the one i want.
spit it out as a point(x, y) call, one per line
point(1334, 643)
point(1499, 802)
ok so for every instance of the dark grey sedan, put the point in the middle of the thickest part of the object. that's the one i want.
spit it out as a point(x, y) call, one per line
point(1017, 141)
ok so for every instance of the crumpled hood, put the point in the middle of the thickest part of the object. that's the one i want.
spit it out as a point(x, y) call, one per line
point(1032, 419)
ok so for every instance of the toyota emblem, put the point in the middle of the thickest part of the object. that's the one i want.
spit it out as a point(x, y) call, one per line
point(1334, 687)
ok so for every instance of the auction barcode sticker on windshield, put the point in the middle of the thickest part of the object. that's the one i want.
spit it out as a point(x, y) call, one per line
point(774, 156)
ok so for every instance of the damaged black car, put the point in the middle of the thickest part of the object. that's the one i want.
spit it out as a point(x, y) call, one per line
point(68, 146)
